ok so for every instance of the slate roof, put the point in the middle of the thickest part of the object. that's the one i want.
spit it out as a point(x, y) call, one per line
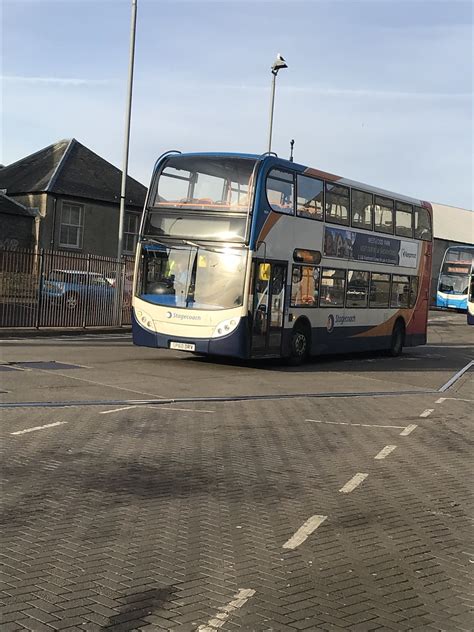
point(8, 206)
point(69, 168)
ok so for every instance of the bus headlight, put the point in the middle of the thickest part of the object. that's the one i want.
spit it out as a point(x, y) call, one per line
point(145, 320)
point(225, 327)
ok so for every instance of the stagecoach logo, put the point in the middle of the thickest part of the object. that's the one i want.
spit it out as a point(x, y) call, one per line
point(338, 320)
point(330, 323)
point(182, 316)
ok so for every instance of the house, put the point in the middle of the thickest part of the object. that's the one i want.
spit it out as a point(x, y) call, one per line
point(18, 224)
point(77, 194)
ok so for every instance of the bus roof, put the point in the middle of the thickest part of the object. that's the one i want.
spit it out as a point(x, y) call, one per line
point(317, 173)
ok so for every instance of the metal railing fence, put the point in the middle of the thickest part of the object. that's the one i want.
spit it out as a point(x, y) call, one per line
point(47, 288)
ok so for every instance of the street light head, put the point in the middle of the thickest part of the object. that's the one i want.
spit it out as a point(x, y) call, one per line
point(278, 64)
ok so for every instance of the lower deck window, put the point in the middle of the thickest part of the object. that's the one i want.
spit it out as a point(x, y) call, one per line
point(400, 291)
point(332, 288)
point(413, 291)
point(304, 286)
point(379, 289)
point(357, 288)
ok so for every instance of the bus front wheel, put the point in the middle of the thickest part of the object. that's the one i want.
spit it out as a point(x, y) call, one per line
point(398, 339)
point(299, 347)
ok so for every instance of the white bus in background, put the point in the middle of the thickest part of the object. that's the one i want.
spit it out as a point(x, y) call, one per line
point(454, 277)
point(470, 299)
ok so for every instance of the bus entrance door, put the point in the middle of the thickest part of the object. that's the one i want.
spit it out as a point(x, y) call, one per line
point(268, 307)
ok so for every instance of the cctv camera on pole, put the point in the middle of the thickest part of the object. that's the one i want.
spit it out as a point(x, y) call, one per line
point(278, 64)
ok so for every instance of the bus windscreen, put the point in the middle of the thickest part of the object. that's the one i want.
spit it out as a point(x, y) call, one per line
point(205, 183)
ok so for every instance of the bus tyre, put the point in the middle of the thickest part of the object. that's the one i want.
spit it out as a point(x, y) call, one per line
point(299, 347)
point(398, 339)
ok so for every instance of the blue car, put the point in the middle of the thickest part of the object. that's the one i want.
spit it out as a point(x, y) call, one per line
point(72, 287)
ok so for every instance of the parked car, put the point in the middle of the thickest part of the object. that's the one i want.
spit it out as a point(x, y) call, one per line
point(127, 281)
point(72, 287)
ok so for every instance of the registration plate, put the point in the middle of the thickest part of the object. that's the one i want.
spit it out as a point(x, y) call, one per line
point(183, 346)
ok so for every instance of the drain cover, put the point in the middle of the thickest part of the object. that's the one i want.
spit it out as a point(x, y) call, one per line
point(44, 366)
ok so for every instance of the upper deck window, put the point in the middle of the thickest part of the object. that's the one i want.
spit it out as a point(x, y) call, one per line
point(362, 209)
point(337, 204)
point(422, 224)
point(403, 220)
point(280, 191)
point(383, 215)
point(309, 197)
point(207, 183)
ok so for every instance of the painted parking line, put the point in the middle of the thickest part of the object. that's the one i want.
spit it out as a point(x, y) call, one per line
point(353, 483)
point(427, 412)
point(35, 428)
point(385, 452)
point(408, 430)
point(304, 531)
point(347, 423)
point(224, 612)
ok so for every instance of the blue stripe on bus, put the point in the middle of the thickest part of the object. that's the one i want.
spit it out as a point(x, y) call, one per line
point(454, 301)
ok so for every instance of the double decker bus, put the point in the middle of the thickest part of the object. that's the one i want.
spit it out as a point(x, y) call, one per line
point(454, 276)
point(256, 257)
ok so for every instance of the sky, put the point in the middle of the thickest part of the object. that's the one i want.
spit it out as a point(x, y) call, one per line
point(378, 91)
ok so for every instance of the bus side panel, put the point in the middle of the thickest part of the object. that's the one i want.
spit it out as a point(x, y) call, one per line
point(417, 319)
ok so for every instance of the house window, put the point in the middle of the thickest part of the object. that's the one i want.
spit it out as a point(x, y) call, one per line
point(130, 232)
point(72, 225)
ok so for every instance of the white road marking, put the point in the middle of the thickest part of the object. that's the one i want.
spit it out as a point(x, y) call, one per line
point(456, 399)
point(353, 483)
point(225, 611)
point(183, 410)
point(427, 412)
point(440, 400)
point(346, 423)
point(304, 531)
point(157, 407)
point(20, 432)
point(385, 452)
point(112, 386)
point(408, 430)
point(456, 377)
point(116, 410)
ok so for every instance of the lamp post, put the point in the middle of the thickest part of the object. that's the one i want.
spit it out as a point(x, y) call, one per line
point(128, 115)
point(278, 64)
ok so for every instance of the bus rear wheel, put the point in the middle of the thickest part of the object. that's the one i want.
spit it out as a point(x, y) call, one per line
point(299, 346)
point(398, 339)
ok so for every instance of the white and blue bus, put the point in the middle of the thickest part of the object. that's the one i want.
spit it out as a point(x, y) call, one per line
point(453, 282)
point(470, 299)
point(254, 256)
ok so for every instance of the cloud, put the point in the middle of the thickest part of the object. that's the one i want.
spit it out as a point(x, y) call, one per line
point(358, 93)
point(59, 81)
